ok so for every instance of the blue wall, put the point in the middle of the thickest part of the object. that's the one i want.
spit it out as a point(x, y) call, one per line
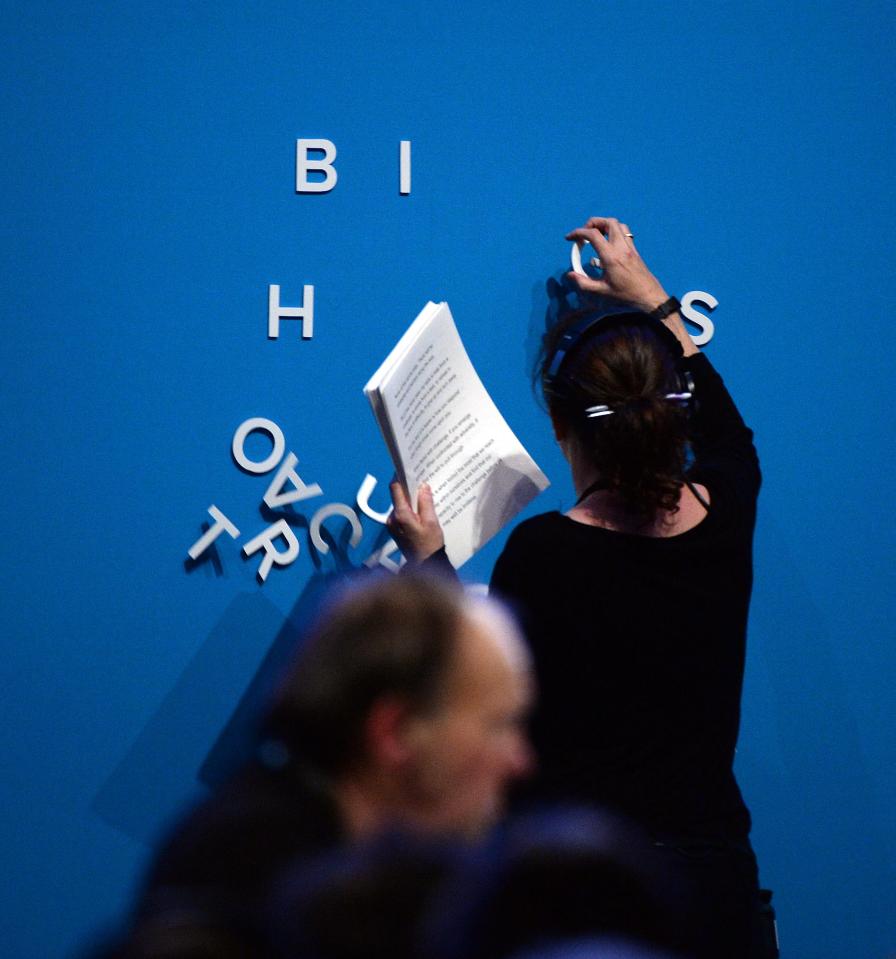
point(149, 199)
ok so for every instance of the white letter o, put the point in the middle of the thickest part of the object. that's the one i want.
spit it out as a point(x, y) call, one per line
point(250, 426)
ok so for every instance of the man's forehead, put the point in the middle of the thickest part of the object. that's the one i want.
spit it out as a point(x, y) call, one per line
point(490, 652)
point(496, 630)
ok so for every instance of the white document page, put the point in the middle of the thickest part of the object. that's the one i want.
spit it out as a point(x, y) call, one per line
point(447, 431)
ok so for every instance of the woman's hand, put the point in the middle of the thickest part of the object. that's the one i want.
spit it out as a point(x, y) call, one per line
point(419, 534)
point(625, 274)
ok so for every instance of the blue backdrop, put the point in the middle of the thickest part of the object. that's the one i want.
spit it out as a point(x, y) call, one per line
point(149, 200)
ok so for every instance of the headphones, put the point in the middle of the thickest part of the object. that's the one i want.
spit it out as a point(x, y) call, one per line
point(553, 380)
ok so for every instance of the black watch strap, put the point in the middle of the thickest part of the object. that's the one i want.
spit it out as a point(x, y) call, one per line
point(664, 309)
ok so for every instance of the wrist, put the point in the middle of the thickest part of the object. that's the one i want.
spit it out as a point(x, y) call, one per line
point(669, 315)
point(668, 308)
point(651, 299)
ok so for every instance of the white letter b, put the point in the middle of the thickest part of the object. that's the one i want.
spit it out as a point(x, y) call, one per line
point(304, 165)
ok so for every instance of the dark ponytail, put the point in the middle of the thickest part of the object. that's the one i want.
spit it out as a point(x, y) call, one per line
point(626, 363)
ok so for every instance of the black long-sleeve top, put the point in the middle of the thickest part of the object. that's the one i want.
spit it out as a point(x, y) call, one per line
point(639, 642)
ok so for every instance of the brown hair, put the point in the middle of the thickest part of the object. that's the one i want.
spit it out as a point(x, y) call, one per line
point(627, 363)
point(391, 636)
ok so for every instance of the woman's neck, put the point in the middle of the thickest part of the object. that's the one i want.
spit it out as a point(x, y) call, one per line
point(584, 474)
point(604, 508)
point(598, 506)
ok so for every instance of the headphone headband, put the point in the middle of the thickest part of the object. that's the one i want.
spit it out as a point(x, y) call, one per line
point(578, 331)
point(569, 341)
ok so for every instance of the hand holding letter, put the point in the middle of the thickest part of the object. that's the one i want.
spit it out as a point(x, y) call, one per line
point(625, 275)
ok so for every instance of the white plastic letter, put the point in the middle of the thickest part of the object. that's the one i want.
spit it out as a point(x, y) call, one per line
point(697, 318)
point(265, 540)
point(222, 524)
point(334, 509)
point(276, 312)
point(363, 500)
point(304, 164)
point(404, 166)
point(575, 257)
point(276, 497)
point(382, 557)
point(239, 439)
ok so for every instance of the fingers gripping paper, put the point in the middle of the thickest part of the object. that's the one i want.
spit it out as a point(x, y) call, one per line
point(443, 428)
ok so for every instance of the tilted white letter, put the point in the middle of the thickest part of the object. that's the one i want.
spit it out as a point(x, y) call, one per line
point(382, 557)
point(222, 524)
point(334, 509)
point(265, 540)
point(276, 497)
point(363, 500)
point(239, 439)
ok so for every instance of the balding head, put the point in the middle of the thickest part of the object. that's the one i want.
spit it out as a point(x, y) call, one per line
point(475, 746)
point(411, 697)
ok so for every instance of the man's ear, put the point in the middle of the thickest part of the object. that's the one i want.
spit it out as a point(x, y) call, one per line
point(387, 732)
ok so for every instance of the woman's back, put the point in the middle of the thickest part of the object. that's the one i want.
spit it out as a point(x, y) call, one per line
point(638, 628)
point(639, 642)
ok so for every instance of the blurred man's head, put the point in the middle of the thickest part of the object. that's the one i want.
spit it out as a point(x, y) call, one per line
point(411, 698)
point(473, 746)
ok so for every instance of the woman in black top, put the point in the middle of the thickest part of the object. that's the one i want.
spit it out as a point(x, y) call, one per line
point(635, 601)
